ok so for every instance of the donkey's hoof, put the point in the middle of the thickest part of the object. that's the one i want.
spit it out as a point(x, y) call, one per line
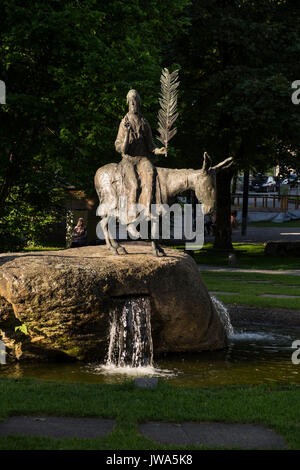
point(161, 253)
point(158, 254)
point(114, 251)
point(122, 251)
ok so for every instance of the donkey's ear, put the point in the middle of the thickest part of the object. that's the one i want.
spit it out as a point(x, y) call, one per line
point(223, 165)
point(206, 162)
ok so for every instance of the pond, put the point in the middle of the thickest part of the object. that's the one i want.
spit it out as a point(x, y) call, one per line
point(255, 354)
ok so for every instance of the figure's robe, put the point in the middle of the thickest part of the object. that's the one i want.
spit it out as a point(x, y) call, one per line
point(139, 180)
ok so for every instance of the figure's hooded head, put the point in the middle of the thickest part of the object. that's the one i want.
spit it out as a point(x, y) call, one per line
point(134, 102)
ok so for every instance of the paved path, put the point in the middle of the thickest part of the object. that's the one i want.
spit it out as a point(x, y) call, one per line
point(245, 436)
point(263, 234)
point(204, 267)
point(275, 296)
point(57, 427)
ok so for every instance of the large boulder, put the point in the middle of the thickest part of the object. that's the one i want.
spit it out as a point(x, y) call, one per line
point(56, 304)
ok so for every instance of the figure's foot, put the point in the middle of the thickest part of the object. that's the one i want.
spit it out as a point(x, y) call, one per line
point(133, 232)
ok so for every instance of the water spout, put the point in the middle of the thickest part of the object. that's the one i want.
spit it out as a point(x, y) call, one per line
point(223, 315)
point(130, 339)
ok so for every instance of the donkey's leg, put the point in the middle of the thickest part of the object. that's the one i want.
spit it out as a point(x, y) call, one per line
point(104, 223)
point(156, 248)
point(116, 245)
point(161, 250)
point(120, 249)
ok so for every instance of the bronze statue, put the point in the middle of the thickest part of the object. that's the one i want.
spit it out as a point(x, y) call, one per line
point(108, 184)
point(137, 181)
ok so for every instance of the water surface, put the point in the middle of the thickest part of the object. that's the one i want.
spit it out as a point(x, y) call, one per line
point(255, 354)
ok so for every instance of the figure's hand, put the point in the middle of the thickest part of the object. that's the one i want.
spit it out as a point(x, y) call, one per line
point(126, 136)
point(160, 151)
point(127, 125)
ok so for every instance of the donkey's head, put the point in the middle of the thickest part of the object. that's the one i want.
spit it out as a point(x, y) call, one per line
point(205, 182)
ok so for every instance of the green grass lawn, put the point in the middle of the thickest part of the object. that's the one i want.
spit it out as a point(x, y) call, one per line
point(272, 405)
point(291, 223)
point(248, 289)
point(252, 258)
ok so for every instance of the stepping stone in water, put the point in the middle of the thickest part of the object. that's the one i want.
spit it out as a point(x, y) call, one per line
point(146, 382)
point(245, 436)
point(57, 427)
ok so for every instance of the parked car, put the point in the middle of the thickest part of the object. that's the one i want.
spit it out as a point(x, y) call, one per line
point(293, 180)
point(263, 183)
point(257, 182)
point(270, 185)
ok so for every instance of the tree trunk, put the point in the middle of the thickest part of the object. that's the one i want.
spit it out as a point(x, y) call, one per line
point(234, 186)
point(223, 210)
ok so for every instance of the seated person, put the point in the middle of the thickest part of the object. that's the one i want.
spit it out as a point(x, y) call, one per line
point(234, 222)
point(208, 224)
point(79, 235)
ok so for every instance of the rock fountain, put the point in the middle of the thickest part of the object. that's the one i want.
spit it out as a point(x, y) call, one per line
point(60, 305)
point(120, 305)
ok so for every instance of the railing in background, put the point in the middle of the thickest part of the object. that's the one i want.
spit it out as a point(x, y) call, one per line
point(270, 201)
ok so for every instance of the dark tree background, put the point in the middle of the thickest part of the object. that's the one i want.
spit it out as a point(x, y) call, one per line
point(68, 66)
point(239, 59)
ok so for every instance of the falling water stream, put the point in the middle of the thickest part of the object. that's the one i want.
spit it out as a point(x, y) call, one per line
point(130, 349)
point(130, 339)
point(223, 315)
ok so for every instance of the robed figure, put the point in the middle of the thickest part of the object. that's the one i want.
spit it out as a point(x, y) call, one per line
point(140, 183)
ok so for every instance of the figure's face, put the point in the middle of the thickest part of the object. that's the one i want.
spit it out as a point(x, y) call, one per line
point(133, 105)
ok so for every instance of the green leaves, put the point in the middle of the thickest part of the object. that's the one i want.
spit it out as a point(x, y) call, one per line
point(167, 114)
point(22, 328)
point(238, 61)
point(68, 66)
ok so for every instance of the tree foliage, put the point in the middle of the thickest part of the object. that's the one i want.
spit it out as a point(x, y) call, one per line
point(67, 66)
point(239, 59)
